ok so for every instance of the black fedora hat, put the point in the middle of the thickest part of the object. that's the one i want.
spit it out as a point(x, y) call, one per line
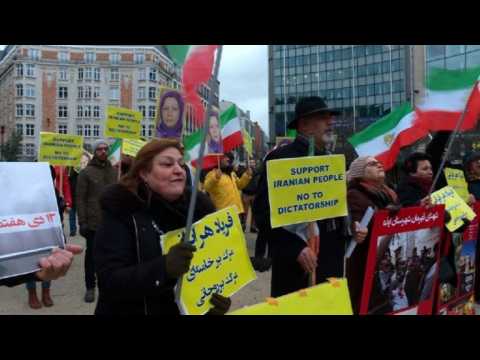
point(308, 106)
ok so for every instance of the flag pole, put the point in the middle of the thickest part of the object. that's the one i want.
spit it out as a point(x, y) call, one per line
point(206, 125)
point(447, 152)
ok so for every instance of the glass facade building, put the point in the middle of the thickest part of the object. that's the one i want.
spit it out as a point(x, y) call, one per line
point(363, 81)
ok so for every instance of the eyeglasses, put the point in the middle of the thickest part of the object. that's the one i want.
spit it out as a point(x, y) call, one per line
point(167, 161)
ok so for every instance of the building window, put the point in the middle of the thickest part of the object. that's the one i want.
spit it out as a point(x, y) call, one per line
point(88, 92)
point(139, 58)
point(31, 70)
point(142, 74)
point(87, 111)
point(88, 73)
point(79, 111)
point(20, 129)
point(30, 91)
point(30, 149)
point(114, 74)
point(96, 92)
point(114, 93)
point(143, 110)
point(80, 92)
point(19, 110)
point(90, 57)
point(30, 130)
point(34, 54)
point(96, 130)
point(144, 132)
point(150, 130)
point(63, 74)
point(96, 111)
point(63, 56)
point(19, 69)
point(62, 92)
point(62, 129)
point(141, 93)
point(152, 93)
point(115, 58)
point(79, 130)
point(62, 111)
point(96, 74)
point(80, 74)
point(20, 90)
point(151, 111)
point(153, 74)
point(88, 130)
point(30, 110)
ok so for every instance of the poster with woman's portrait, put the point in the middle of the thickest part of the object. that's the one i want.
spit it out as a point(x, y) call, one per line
point(170, 114)
point(403, 262)
point(214, 135)
point(456, 289)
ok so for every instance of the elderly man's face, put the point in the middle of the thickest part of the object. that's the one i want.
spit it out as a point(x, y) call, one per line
point(320, 126)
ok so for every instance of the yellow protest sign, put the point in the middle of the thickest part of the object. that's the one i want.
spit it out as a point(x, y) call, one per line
point(247, 142)
point(306, 189)
point(221, 264)
point(331, 298)
point(454, 204)
point(456, 179)
point(60, 149)
point(131, 147)
point(122, 123)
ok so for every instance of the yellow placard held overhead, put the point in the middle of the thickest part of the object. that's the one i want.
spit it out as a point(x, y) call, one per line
point(131, 147)
point(455, 205)
point(247, 142)
point(306, 189)
point(221, 264)
point(330, 298)
point(122, 123)
point(60, 149)
point(456, 179)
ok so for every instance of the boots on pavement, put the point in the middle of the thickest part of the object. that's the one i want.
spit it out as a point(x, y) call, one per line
point(46, 299)
point(33, 301)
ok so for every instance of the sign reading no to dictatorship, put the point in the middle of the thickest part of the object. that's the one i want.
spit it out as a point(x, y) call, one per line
point(306, 189)
point(122, 123)
point(60, 149)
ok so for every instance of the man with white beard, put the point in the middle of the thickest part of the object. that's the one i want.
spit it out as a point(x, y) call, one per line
point(292, 259)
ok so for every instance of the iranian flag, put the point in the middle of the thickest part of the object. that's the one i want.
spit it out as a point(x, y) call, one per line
point(197, 64)
point(115, 152)
point(448, 93)
point(384, 138)
point(232, 137)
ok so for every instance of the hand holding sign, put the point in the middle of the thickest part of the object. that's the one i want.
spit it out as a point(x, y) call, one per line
point(308, 260)
point(58, 263)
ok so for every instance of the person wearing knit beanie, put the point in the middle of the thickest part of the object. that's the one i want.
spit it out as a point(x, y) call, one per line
point(357, 168)
point(99, 142)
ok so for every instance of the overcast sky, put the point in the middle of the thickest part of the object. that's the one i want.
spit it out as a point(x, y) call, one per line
point(244, 79)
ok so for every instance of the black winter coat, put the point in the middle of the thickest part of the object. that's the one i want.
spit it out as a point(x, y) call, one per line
point(287, 274)
point(410, 193)
point(130, 267)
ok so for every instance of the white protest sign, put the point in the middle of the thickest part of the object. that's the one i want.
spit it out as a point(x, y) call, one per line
point(30, 223)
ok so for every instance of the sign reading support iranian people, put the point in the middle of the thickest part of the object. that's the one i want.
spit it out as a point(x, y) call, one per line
point(221, 264)
point(455, 205)
point(30, 224)
point(60, 149)
point(132, 147)
point(122, 123)
point(456, 179)
point(331, 298)
point(306, 189)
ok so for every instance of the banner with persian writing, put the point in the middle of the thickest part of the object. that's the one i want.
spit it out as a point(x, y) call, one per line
point(30, 225)
point(403, 262)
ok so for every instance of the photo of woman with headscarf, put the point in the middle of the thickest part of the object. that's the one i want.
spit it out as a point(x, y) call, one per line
point(214, 136)
point(170, 115)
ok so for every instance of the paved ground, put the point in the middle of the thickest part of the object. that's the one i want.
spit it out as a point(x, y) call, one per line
point(67, 293)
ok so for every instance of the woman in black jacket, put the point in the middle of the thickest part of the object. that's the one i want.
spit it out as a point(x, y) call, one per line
point(150, 200)
point(414, 189)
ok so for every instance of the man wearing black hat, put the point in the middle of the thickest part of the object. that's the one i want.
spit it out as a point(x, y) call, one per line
point(292, 259)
